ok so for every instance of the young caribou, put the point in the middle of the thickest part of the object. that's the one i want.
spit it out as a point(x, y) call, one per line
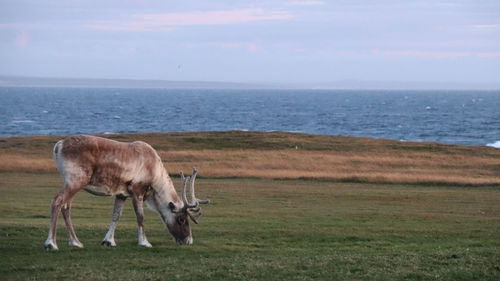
point(106, 167)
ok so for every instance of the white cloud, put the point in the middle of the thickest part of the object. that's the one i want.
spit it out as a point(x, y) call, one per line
point(487, 26)
point(249, 46)
point(435, 54)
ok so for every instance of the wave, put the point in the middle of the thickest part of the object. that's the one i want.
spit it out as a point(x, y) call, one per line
point(495, 144)
point(22, 121)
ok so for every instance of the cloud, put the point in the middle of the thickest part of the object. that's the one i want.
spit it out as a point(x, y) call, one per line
point(167, 21)
point(22, 39)
point(435, 54)
point(249, 46)
point(6, 25)
point(305, 3)
point(487, 26)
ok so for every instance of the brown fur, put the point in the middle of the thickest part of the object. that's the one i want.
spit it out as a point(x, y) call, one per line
point(105, 161)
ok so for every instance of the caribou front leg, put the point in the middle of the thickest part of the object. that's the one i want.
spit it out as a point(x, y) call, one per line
point(138, 202)
point(109, 239)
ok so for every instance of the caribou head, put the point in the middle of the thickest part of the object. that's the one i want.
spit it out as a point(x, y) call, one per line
point(178, 225)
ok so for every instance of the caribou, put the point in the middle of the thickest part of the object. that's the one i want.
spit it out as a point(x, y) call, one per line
point(105, 167)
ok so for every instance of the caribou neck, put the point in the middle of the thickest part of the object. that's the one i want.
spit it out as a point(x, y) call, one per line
point(163, 193)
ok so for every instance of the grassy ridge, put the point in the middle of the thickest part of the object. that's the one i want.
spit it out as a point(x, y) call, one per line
point(290, 156)
point(248, 140)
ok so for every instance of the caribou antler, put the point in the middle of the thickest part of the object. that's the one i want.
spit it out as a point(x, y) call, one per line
point(185, 181)
point(192, 209)
point(191, 190)
point(194, 205)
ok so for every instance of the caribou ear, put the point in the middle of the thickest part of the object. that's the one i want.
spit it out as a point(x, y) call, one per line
point(194, 216)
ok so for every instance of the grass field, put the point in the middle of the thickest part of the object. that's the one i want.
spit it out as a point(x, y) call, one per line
point(270, 227)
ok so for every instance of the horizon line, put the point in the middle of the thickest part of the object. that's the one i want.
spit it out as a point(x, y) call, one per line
point(7, 80)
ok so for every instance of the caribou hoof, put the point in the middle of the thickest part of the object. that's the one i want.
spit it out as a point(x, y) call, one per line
point(51, 246)
point(146, 244)
point(76, 244)
point(108, 243)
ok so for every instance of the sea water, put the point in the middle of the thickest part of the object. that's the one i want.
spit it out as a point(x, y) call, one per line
point(455, 117)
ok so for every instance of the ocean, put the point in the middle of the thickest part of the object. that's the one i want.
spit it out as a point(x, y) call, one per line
point(453, 117)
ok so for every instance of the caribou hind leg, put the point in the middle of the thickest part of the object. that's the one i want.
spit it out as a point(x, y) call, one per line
point(50, 243)
point(73, 240)
point(62, 201)
point(109, 239)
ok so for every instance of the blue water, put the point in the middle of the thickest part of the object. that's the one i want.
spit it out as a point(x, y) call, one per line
point(457, 117)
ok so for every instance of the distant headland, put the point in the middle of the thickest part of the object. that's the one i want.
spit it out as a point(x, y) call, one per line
point(352, 84)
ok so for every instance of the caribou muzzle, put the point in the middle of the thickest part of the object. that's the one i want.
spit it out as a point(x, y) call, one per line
point(185, 241)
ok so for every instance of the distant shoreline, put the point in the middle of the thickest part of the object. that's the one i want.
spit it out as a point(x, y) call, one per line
point(26, 81)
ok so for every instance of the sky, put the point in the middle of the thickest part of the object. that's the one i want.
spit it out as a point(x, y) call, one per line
point(296, 41)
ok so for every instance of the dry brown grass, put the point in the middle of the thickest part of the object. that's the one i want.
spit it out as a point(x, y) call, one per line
point(411, 167)
point(269, 155)
point(19, 162)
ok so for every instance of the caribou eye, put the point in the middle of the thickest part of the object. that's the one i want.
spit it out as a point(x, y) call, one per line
point(181, 220)
point(171, 206)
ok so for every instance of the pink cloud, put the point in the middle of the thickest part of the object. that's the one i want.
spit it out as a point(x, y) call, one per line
point(22, 39)
point(305, 3)
point(166, 21)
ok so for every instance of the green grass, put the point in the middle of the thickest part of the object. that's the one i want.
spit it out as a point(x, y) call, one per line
point(264, 230)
